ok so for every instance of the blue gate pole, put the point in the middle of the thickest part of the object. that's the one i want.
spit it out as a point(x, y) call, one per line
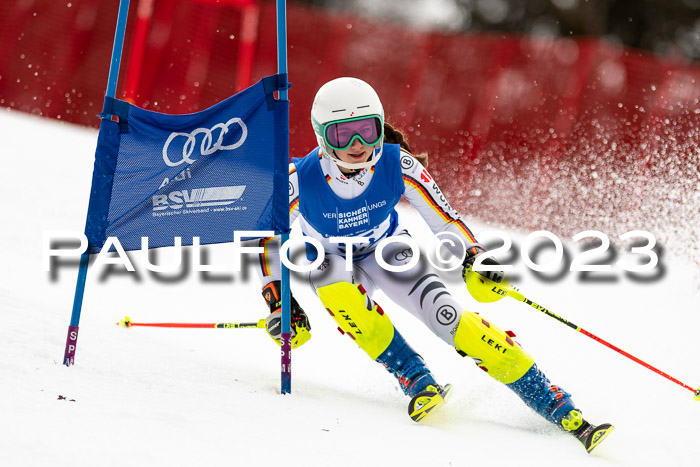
point(286, 337)
point(72, 339)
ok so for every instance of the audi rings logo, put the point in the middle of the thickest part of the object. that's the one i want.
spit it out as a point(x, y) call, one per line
point(208, 145)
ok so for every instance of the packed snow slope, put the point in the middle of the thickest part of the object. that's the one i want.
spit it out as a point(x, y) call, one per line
point(148, 396)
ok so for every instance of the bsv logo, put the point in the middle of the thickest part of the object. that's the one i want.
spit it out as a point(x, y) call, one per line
point(199, 197)
point(208, 145)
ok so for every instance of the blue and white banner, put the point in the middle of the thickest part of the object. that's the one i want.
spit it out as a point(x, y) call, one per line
point(197, 175)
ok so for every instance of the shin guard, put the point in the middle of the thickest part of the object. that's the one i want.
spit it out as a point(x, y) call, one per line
point(493, 350)
point(365, 322)
point(502, 358)
point(358, 317)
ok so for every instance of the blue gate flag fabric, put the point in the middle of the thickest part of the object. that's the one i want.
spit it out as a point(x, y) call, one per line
point(202, 175)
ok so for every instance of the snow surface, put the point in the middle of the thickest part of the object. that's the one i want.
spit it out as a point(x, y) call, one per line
point(211, 397)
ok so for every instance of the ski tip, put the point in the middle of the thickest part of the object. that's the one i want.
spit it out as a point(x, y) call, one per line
point(426, 402)
point(697, 395)
point(599, 434)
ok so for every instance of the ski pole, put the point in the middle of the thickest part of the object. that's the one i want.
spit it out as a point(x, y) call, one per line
point(127, 323)
point(485, 290)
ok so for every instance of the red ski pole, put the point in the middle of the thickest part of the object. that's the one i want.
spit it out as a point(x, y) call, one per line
point(485, 290)
point(127, 323)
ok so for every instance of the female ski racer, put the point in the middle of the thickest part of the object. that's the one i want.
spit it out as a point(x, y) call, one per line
point(348, 186)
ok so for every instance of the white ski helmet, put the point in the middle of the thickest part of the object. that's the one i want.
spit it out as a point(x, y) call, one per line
point(347, 100)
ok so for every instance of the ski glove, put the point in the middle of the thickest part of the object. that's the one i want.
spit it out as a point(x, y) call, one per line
point(472, 254)
point(300, 325)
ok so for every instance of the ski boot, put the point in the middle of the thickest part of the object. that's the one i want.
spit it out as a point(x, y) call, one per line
point(425, 402)
point(589, 435)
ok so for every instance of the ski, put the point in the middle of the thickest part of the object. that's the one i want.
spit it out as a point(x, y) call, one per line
point(424, 403)
point(592, 435)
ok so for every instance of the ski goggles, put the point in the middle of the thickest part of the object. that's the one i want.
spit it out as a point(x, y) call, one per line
point(340, 134)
